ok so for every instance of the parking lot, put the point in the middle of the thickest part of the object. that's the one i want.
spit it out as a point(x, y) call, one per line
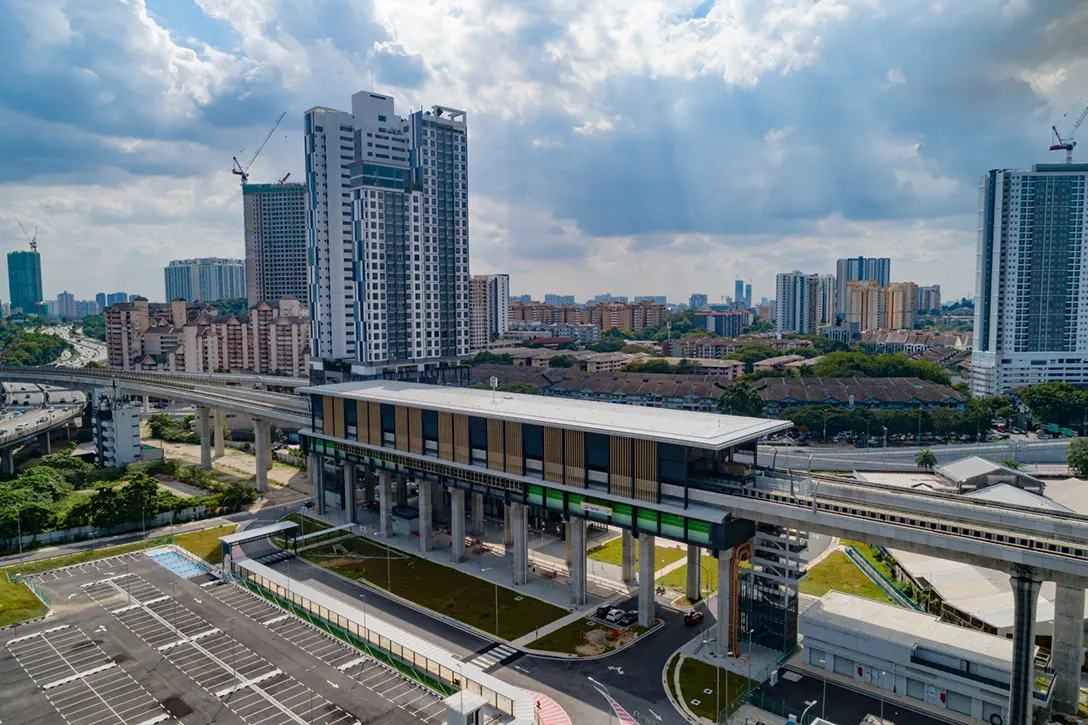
point(82, 682)
point(182, 649)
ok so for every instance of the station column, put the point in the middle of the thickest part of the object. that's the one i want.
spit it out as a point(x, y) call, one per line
point(576, 535)
point(385, 502)
point(724, 627)
point(694, 588)
point(217, 433)
point(477, 514)
point(647, 549)
point(519, 522)
point(627, 552)
point(507, 528)
point(350, 474)
point(204, 425)
point(9, 461)
point(1025, 597)
point(402, 490)
point(1068, 645)
point(262, 448)
point(426, 524)
point(315, 471)
point(457, 525)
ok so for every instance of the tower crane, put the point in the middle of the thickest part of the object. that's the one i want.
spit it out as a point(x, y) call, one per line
point(1067, 143)
point(32, 239)
point(243, 171)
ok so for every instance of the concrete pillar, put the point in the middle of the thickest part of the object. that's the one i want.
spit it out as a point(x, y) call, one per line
point(426, 524)
point(477, 515)
point(457, 525)
point(44, 444)
point(402, 490)
point(438, 503)
point(350, 474)
point(507, 530)
point(385, 502)
point(261, 444)
point(146, 404)
point(1025, 597)
point(8, 461)
point(627, 548)
point(315, 471)
point(724, 626)
point(217, 433)
point(519, 522)
point(647, 548)
point(1068, 646)
point(567, 541)
point(576, 538)
point(694, 588)
point(205, 428)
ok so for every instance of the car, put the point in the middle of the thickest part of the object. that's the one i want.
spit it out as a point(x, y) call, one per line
point(693, 617)
point(615, 616)
point(603, 610)
point(630, 617)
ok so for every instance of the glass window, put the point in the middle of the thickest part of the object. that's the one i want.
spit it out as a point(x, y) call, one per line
point(477, 432)
point(430, 425)
point(389, 418)
point(350, 413)
point(672, 463)
point(532, 437)
point(596, 451)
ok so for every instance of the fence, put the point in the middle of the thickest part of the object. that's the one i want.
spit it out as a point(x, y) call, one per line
point(82, 533)
point(750, 687)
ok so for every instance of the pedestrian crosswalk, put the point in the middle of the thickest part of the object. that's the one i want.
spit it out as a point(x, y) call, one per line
point(492, 657)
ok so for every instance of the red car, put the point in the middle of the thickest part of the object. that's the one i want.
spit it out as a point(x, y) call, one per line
point(693, 617)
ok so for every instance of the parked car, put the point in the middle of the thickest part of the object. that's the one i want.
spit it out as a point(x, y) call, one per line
point(693, 617)
point(603, 610)
point(614, 616)
point(629, 618)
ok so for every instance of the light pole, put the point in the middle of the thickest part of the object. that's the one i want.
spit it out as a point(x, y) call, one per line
point(19, 526)
point(882, 673)
point(311, 669)
point(808, 706)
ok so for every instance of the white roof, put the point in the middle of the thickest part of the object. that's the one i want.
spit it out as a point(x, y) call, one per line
point(682, 427)
point(1071, 493)
point(245, 535)
point(908, 628)
point(1006, 493)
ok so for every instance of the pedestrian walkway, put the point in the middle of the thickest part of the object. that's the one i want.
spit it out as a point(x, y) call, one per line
point(548, 711)
point(493, 656)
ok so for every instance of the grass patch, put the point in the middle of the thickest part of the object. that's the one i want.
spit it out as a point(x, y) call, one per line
point(678, 578)
point(869, 553)
point(440, 588)
point(18, 603)
point(696, 677)
point(37, 567)
point(586, 638)
point(839, 573)
point(307, 525)
point(205, 544)
point(612, 553)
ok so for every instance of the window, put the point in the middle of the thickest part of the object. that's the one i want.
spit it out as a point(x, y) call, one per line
point(596, 446)
point(477, 439)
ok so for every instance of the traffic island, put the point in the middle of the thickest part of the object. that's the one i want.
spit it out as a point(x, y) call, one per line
point(702, 690)
point(588, 638)
point(443, 590)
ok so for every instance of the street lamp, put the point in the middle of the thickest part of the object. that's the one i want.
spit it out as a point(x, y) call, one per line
point(808, 706)
point(19, 525)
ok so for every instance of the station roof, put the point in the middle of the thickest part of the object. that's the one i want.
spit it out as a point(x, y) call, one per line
point(240, 537)
point(681, 427)
point(908, 628)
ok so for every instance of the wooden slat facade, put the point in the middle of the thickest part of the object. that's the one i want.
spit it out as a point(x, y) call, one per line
point(461, 453)
point(553, 455)
point(574, 457)
point(362, 421)
point(339, 428)
point(495, 444)
point(619, 466)
point(514, 456)
point(375, 424)
point(445, 436)
point(415, 431)
point(645, 473)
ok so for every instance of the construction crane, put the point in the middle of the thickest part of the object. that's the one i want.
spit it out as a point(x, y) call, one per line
point(284, 179)
point(1067, 144)
point(32, 239)
point(243, 171)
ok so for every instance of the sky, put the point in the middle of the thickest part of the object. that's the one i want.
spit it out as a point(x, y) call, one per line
point(638, 147)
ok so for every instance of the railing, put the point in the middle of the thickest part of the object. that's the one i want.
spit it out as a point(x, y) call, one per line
point(753, 682)
point(974, 676)
point(880, 580)
point(38, 427)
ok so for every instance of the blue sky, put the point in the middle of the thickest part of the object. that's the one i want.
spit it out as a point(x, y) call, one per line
point(632, 146)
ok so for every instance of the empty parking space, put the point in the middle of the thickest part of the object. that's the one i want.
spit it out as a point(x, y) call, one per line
point(105, 567)
point(82, 682)
point(251, 686)
point(390, 685)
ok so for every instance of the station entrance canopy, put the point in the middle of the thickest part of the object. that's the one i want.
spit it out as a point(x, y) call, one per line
point(231, 543)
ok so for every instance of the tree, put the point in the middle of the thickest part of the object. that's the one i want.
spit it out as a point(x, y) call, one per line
point(751, 354)
point(236, 494)
point(926, 459)
point(1010, 463)
point(740, 398)
point(561, 361)
point(860, 365)
point(94, 326)
point(490, 358)
point(606, 344)
point(1078, 456)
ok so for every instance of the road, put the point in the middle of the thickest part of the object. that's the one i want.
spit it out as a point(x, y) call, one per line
point(17, 423)
point(86, 351)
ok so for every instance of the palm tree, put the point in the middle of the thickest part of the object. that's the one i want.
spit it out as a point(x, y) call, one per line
point(926, 459)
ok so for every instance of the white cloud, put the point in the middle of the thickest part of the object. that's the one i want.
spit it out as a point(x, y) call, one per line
point(895, 76)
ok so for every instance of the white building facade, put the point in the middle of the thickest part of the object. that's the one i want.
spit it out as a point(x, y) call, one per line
point(116, 431)
point(1031, 300)
point(796, 302)
point(205, 280)
point(490, 313)
point(387, 232)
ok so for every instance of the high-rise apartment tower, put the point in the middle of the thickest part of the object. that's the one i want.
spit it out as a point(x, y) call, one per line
point(275, 230)
point(861, 269)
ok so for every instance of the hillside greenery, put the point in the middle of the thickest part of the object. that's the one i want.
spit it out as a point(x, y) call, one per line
point(94, 326)
point(23, 347)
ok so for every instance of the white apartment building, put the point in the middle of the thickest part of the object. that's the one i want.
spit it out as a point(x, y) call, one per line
point(825, 299)
point(387, 231)
point(275, 230)
point(205, 280)
point(490, 313)
point(796, 302)
point(116, 431)
point(1031, 300)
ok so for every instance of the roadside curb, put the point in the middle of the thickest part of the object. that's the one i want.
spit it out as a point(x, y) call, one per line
point(679, 707)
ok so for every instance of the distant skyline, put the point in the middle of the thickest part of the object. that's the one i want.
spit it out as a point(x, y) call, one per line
point(663, 148)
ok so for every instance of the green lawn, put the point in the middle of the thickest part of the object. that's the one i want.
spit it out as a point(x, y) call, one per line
point(439, 588)
point(678, 578)
point(307, 525)
point(569, 638)
point(37, 567)
point(205, 544)
point(870, 553)
point(696, 677)
point(839, 573)
point(17, 603)
point(612, 553)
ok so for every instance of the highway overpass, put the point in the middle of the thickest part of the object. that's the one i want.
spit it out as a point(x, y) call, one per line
point(12, 437)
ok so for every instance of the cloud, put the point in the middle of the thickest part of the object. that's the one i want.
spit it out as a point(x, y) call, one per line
point(636, 146)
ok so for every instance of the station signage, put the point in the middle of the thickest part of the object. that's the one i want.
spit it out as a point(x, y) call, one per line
point(592, 508)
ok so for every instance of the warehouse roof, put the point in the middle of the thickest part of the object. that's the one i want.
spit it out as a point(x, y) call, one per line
point(701, 430)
